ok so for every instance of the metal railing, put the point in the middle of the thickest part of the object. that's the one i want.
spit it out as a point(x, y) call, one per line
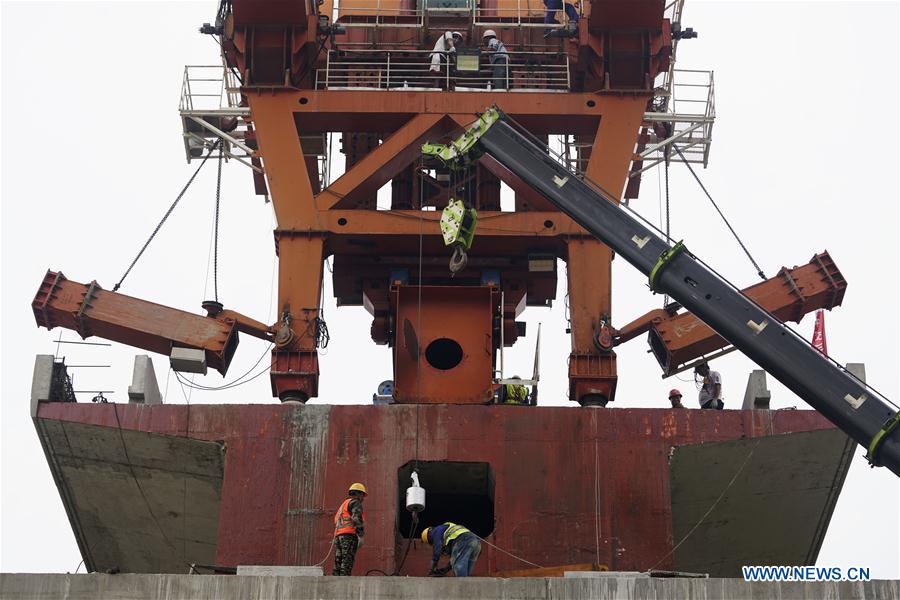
point(524, 13)
point(373, 14)
point(512, 13)
point(689, 114)
point(209, 87)
point(417, 69)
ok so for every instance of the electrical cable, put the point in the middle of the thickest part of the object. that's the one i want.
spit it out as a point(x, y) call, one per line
point(235, 382)
point(193, 386)
point(716, 206)
point(711, 508)
point(527, 562)
point(137, 482)
point(330, 548)
point(419, 311)
point(166, 216)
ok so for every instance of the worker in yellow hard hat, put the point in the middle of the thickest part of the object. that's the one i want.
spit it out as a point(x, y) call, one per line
point(349, 529)
point(459, 543)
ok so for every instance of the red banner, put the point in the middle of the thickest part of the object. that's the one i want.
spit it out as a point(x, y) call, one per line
point(818, 338)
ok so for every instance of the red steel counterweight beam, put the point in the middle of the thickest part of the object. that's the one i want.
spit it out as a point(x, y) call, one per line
point(677, 339)
point(91, 310)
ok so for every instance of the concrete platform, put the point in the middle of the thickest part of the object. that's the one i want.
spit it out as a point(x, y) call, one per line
point(234, 587)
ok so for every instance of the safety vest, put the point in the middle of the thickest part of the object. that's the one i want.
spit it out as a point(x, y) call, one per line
point(452, 532)
point(343, 524)
point(515, 394)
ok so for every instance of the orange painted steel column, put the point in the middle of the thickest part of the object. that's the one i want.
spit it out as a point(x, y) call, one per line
point(592, 372)
point(295, 364)
point(285, 166)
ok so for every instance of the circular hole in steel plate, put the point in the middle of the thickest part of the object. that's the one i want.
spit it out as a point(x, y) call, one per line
point(444, 354)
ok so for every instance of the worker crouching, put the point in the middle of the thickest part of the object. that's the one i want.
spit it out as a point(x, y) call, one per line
point(460, 544)
point(349, 529)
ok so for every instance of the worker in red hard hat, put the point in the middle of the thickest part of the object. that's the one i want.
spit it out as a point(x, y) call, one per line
point(675, 399)
point(349, 529)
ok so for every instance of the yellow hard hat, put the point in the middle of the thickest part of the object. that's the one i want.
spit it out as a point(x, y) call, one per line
point(358, 487)
point(425, 533)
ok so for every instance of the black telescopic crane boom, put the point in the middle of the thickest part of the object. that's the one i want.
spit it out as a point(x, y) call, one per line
point(846, 401)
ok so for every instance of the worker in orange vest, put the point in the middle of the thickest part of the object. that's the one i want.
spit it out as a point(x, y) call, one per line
point(349, 529)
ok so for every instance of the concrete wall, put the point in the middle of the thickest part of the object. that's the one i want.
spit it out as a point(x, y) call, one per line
point(228, 587)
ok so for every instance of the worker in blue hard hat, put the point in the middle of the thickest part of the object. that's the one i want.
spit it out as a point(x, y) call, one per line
point(456, 541)
point(349, 529)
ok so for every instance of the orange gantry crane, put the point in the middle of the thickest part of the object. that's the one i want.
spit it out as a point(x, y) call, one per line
point(304, 71)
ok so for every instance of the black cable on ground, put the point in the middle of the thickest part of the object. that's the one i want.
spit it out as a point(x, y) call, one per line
point(716, 206)
point(166, 216)
point(409, 541)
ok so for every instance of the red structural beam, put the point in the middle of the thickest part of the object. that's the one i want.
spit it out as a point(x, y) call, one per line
point(680, 338)
point(91, 310)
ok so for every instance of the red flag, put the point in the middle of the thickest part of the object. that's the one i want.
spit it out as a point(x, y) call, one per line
point(818, 338)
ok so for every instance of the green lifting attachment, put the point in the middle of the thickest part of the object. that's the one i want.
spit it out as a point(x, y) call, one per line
point(664, 259)
point(462, 152)
point(458, 230)
point(875, 445)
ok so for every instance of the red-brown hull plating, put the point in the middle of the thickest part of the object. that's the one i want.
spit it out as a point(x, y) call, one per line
point(568, 485)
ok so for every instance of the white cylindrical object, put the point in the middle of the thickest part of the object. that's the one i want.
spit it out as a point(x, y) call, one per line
point(415, 499)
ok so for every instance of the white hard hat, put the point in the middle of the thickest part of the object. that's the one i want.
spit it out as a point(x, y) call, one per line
point(457, 34)
point(490, 33)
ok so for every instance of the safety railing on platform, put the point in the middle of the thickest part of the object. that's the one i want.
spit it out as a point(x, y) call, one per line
point(423, 69)
point(373, 13)
point(210, 112)
point(684, 117)
point(507, 13)
point(209, 87)
point(525, 13)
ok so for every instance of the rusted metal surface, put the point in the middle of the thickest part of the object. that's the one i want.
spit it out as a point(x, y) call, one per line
point(445, 344)
point(565, 477)
point(680, 338)
point(92, 311)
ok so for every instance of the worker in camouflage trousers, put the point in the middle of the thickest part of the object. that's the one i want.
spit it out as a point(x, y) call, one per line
point(349, 530)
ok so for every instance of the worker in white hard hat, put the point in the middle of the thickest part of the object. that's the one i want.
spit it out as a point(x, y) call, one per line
point(499, 60)
point(440, 54)
point(349, 529)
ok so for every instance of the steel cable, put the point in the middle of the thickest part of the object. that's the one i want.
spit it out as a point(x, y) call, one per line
point(216, 233)
point(166, 216)
point(759, 271)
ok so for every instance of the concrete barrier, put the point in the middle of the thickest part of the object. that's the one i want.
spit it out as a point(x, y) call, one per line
point(233, 587)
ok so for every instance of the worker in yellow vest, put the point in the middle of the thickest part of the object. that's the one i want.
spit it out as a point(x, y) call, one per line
point(514, 393)
point(460, 544)
point(349, 529)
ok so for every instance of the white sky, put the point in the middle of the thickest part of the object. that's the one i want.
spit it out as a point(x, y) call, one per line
point(804, 159)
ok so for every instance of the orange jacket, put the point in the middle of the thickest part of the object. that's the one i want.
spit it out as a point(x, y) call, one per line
point(343, 522)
